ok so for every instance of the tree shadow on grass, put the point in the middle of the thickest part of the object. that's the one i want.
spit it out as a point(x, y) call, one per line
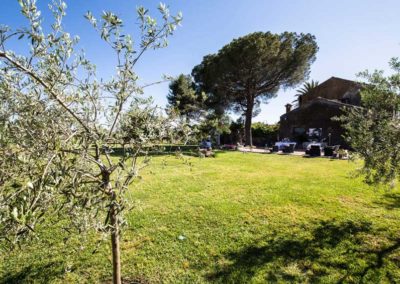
point(390, 201)
point(333, 252)
point(34, 274)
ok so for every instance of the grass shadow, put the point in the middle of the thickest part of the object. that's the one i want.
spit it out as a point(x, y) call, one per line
point(35, 274)
point(195, 153)
point(333, 250)
point(390, 201)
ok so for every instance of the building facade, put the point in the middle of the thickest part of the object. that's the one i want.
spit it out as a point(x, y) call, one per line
point(313, 119)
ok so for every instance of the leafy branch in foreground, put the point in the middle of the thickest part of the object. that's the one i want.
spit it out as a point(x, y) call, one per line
point(57, 131)
point(374, 130)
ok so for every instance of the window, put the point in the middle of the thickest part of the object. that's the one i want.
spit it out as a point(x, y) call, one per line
point(315, 133)
point(297, 131)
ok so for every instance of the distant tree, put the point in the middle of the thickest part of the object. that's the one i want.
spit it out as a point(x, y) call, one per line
point(373, 130)
point(181, 129)
point(143, 124)
point(214, 125)
point(183, 97)
point(305, 90)
point(234, 132)
point(251, 69)
point(190, 103)
point(59, 124)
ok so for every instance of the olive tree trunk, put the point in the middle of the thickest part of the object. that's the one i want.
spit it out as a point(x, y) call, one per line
point(115, 236)
point(115, 232)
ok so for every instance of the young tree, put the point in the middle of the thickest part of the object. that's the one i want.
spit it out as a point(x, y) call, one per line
point(251, 69)
point(373, 130)
point(59, 124)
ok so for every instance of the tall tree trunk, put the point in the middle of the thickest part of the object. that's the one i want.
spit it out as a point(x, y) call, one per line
point(247, 124)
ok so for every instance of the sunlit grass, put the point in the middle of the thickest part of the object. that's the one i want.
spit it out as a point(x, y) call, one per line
point(239, 218)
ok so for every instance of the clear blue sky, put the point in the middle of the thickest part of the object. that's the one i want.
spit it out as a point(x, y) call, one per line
point(353, 35)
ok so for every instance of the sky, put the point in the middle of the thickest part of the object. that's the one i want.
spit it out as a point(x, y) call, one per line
point(352, 35)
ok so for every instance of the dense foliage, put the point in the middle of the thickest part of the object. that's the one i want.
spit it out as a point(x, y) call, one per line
point(264, 133)
point(374, 130)
point(196, 112)
point(183, 97)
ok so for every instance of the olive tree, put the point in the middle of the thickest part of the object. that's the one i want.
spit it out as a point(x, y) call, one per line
point(373, 130)
point(59, 123)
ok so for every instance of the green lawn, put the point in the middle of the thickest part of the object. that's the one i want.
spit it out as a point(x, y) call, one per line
point(238, 218)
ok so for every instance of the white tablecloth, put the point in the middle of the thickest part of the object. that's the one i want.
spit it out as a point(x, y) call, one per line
point(282, 145)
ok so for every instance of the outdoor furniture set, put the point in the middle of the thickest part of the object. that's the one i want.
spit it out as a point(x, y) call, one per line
point(313, 149)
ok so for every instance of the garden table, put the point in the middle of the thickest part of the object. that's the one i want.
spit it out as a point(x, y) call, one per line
point(282, 145)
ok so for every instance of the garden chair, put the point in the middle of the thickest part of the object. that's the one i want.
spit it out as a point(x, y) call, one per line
point(328, 151)
point(288, 149)
point(315, 151)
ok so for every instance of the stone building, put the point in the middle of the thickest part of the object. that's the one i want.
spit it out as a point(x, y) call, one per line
point(312, 119)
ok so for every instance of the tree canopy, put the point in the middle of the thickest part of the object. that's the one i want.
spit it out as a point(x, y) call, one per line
point(250, 70)
point(190, 103)
point(183, 98)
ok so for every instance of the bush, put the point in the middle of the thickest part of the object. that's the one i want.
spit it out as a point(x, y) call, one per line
point(264, 133)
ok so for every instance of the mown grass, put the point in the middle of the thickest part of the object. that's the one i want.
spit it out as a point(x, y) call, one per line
point(238, 218)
